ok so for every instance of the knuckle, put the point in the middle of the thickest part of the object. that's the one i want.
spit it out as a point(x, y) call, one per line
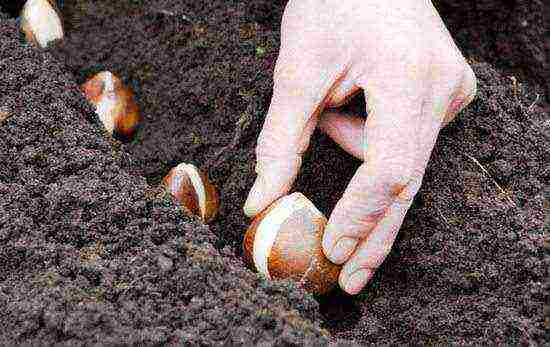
point(404, 193)
point(400, 188)
point(400, 184)
point(359, 214)
point(400, 193)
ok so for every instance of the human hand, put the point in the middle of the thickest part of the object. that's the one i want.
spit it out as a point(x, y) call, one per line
point(415, 81)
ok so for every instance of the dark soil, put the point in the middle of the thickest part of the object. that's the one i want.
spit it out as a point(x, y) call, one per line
point(94, 253)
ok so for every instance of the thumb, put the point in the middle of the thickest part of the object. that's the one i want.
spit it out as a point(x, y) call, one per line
point(299, 93)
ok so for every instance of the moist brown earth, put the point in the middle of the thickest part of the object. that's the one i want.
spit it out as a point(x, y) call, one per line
point(95, 253)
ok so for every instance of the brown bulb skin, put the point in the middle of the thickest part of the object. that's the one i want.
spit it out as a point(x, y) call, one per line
point(192, 189)
point(287, 237)
point(114, 103)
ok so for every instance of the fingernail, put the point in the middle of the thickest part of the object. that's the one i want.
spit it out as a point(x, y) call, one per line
point(356, 281)
point(254, 196)
point(342, 250)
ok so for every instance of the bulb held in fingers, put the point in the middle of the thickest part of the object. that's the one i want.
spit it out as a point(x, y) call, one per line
point(114, 103)
point(284, 241)
point(191, 188)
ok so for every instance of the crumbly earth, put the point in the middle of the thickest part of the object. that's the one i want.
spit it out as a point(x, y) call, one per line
point(94, 253)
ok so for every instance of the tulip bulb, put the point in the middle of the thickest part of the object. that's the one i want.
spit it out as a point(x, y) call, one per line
point(191, 188)
point(114, 103)
point(284, 241)
point(41, 22)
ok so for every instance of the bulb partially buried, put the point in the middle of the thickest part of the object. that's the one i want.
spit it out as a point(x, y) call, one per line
point(284, 241)
point(114, 103)
point(191, 188)
point(41, 22)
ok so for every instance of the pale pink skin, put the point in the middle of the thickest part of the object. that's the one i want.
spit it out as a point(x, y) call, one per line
point(415, 81)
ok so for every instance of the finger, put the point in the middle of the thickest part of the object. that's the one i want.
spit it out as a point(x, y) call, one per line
point(345, 130)
point(301, 86)
point(372, 251)
point(463, 95)
point(397, 139)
